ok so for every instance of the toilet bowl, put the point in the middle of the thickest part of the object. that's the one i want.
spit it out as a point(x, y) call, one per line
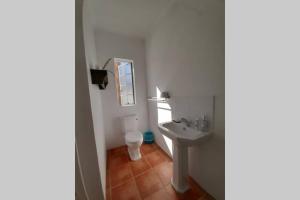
point(133, 137)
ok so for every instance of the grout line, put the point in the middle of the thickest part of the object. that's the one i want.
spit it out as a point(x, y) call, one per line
point(138, 191)
point(122, 183)
point(123, 165)
point(146, 160)
point(138, 175)
point(152, 168)
point(144, 156)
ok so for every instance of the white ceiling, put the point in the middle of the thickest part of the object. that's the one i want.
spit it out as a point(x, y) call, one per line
point(129, 17)
point(137, 17)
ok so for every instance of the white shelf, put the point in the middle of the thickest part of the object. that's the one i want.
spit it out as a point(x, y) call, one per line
point(159, 100)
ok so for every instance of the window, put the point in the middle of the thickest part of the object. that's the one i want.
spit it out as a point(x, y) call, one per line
point(124, 78)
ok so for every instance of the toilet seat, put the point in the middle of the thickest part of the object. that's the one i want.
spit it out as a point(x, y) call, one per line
point(133, 137)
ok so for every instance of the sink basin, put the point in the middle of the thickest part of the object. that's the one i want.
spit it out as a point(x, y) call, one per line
point(182, 138)
point(182, 134)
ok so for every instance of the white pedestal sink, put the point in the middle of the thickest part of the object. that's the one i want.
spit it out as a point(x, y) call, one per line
point(182, 138)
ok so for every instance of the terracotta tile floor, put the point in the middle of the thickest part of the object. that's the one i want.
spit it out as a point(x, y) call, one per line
point(148, 178)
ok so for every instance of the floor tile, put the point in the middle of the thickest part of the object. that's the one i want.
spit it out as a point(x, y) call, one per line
point(126, 191)
point(120, 175)
point(114, 153)
point(207, 197)
point(139, 166)
point(148, 148)
point(118, 161)
point(117, 151)
point(196, 188)
point(155, 158)
point(176, 196)
point(190, 195)
point(159, 195)
point(148, 183)
point(165, 155)
point(108, 196)
point(165, 172)
point(152, 174)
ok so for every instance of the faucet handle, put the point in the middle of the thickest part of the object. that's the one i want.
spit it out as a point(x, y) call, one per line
point(176, 120)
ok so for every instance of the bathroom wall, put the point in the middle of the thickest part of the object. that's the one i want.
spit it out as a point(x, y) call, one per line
point(94, 92)
point(111, 45)
point(80, 193)
point(185, 56)
point(86, 150)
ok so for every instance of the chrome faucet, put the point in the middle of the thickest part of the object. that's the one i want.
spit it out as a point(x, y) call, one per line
point(187, 122)
point(202, 124)
point(197, 124)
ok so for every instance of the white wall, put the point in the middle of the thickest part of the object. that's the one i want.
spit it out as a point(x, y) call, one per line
point(185, 56)
point(110, 45)
point(86, 149)
point(80, 193)
point(94, 92)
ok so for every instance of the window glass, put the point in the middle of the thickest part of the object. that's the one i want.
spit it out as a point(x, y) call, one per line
point(125, 81)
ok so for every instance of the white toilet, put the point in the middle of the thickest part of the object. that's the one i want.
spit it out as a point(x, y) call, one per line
point(133, 137)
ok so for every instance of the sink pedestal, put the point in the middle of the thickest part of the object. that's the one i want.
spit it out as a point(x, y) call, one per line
point(182, 137)
point(180, 167)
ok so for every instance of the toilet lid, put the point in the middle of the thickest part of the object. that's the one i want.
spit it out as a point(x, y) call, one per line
point(133, 137)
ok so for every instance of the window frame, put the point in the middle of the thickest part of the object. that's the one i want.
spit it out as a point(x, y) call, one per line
point(117, 81)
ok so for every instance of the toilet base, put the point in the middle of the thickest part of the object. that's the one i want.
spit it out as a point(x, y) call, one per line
point(134, 153)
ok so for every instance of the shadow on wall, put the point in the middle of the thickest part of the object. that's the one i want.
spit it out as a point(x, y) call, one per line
point(164, 114)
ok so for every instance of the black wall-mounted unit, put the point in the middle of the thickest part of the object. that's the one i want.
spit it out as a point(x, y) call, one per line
point(99, 77)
